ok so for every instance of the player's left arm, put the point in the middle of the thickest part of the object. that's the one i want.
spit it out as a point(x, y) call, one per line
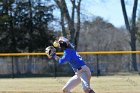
point(51, 53)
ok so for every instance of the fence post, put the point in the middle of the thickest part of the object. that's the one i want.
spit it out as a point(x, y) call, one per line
point(98, 69)
point(55, 68)
point(12, 67)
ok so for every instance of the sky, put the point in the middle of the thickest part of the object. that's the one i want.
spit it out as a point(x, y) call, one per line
point(109, 10)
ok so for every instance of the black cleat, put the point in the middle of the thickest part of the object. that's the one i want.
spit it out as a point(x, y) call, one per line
point(91, 91)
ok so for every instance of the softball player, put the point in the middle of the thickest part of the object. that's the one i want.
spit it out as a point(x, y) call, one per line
point(82, 72)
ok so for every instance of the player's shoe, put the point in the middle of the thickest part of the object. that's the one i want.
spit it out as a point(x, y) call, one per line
point(91, 91)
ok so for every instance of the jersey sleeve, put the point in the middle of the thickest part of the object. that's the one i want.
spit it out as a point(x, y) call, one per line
point(64, 58)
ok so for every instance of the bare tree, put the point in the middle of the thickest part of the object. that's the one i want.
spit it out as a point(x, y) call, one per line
point(131, 27)
point(99, 35)
point(66, 16)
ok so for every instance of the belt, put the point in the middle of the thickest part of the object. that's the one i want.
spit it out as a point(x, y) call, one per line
point(79, 68)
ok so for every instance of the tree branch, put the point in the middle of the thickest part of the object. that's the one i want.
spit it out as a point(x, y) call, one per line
point(125, 15)
point(134, 13)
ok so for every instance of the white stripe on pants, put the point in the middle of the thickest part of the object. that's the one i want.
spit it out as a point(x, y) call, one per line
point(83, 76)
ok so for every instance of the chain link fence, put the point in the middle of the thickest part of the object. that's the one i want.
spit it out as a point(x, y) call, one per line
point(41, 66)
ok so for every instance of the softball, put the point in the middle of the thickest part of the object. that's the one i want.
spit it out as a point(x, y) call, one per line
point(56, 44)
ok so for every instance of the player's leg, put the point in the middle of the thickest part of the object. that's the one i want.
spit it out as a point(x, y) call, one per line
point(73, 82)
point(86, 83)
point(85, 78)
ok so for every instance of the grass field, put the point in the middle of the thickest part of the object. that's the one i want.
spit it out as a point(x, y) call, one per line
point(103, 84)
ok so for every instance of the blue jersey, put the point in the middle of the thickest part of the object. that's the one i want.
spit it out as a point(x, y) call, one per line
point(73, 58)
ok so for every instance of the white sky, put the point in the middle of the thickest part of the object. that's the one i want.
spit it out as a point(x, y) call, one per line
point(109, 10)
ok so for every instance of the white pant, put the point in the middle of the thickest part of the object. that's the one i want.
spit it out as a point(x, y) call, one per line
point(83, 76)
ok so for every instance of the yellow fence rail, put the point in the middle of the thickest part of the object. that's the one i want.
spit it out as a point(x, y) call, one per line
point(60, 53)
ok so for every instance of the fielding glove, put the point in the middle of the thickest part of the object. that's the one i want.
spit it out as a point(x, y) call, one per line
point(50, 51)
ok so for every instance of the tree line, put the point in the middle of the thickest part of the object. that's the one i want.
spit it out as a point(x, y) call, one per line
point(24, 25)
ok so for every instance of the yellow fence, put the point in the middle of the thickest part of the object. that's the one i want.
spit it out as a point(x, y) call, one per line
point(60, 53)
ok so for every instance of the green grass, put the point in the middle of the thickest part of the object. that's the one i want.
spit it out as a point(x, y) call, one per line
point(103, 84)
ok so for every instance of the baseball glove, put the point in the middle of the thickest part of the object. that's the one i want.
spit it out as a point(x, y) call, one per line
point(50, 51)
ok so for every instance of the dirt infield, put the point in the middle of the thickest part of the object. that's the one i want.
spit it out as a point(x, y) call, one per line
point(103, 84)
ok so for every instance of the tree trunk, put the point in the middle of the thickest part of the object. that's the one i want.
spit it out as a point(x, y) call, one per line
point(78, 24)
point(13, 45)
point(133, 37)
point(133, 48)
point(30, 39)
point(63, 25)
point(132, 30)
point(74, 32)
point(125, 15)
